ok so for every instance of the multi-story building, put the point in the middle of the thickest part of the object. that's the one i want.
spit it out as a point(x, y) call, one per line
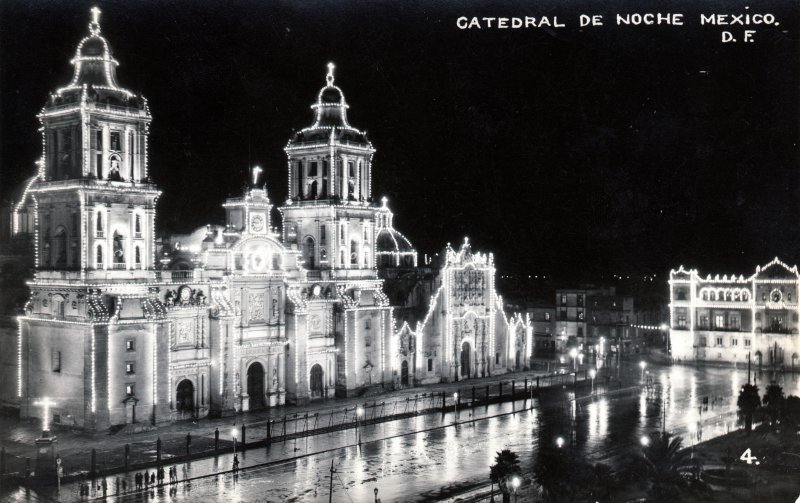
point(238, 316)
point(728, 318)
point(587, 316)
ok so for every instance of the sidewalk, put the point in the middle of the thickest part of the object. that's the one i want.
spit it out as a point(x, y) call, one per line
point(75, 447)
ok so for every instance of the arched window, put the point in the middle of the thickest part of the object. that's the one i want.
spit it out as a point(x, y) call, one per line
point(713, 295)
point(353, 254)
point(308, 252)
point(312, 192)
point(119, 251)
point(342, 257)
point(137, 225)
point(99, 218)
point(99, 258)
point(137, 256)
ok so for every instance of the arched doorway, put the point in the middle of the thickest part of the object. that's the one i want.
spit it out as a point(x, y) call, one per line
point(465, 359)
point(255, 385)
point(317, 385)
point(184, 399)
point(404, 373)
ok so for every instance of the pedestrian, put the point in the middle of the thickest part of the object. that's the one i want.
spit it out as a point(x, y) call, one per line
point(146, 479)
point(105, 488)
point(235, 463)
point(174, 474)
point(116, 485)
point(188, 443)
point(138, 481)
point(153, 479)
point(160, 475)
point(124, 486)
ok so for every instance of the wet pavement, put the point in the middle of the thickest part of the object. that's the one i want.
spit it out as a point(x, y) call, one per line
point(429, 457)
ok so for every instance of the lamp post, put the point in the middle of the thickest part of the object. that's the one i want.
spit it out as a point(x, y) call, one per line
point(593, 373)
point(45, 403)
point(376, 495)
point(234, 434)
point(560, 442)
point(574, 354)
point(359, 413)
point(642, 365)
point(455, 404)
point(515, 482)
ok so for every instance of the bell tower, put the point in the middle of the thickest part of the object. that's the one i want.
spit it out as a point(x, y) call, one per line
point(93, 203)
point(330, 215)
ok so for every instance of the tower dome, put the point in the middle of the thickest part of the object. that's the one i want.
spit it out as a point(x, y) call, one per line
point(96, 70)
point(330, 117)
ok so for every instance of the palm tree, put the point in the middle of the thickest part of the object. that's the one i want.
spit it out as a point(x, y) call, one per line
point(506, 466)
point(664, 463)
point(748, 403)
point(773, 399)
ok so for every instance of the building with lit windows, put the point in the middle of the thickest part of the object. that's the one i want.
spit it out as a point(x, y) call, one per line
point(726, 318)
point(239, 315)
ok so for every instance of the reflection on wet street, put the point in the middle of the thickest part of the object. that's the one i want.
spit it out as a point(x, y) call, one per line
point(414, 459)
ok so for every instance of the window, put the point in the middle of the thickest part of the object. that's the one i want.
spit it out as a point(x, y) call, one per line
point(99, 256)
point(137, 256)
point(497, 359)
point(734, 321)
point(682, 321)
point(322, 236)
point(719, 321)
point(99, 139)
point(580, 331)
point(130, 367)
point(367, 340)
point(55, 364)
point(719, 341)
point(115, 140)
point(580, 300)
point(367, 323)
point(312, 171)
point(563, 315)
point(580, 315)
point(734, 341)
point(130, 389)
point(747, 343)
point(430, 364)
point(137, 225)
point(546, 316)
point(704, 321)
point(563, 299)
point(99, 218)
point(351, 169)
point(130, 345)
point(703, 341)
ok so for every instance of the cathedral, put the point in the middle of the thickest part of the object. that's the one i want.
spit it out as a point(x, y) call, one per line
point(124, 328)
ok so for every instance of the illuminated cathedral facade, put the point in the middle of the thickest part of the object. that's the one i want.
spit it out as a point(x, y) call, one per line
point(247, 314)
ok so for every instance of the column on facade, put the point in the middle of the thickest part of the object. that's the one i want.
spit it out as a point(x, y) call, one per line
point(108, 251)
point(127, 171)
point(345, 176)
point(129, 253)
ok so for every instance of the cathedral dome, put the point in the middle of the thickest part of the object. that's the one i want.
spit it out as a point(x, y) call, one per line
point(390, 240)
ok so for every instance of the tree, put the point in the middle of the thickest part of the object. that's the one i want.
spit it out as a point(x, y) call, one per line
point(565, 476)
point(748, 403)
point(773, 399)
point(664, 466)
point(506, 466)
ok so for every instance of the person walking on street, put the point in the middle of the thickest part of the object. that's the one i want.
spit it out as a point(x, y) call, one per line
point(153, 479)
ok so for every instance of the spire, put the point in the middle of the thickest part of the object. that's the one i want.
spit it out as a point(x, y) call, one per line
point(329, 78)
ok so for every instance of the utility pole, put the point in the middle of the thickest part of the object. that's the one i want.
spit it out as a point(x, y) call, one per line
point(330, 491)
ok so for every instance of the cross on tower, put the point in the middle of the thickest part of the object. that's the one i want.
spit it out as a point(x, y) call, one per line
point(46, 403)
point(256, 171)
point(95, 25)
point(329, 78)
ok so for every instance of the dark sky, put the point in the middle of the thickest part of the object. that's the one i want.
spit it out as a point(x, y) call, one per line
point(565, 151)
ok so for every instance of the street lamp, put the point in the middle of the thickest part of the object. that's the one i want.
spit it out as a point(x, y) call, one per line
point(592, 374)
point(376, 495)
point(359, 413)
point(574, 354)
point(455, 404)
point(560, 442)
point(234, 434)
point(515, 482)
point(642, 365)
point(645, 440)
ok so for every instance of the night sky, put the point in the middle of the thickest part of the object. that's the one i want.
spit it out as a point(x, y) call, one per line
point(570, 152)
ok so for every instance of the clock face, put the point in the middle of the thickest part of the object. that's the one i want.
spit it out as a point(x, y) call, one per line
point(257, 223)
point(316, 290)
point(185, 293)
point(776, 296)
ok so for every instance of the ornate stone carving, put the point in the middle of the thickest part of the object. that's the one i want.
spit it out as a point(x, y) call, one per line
point(255, 304)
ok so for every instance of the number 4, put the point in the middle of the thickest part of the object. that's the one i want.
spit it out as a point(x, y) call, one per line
point(748, 457)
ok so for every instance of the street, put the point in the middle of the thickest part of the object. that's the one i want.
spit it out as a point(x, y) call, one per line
point(429, 457)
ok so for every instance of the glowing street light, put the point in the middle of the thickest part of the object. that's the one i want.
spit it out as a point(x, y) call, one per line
point(515, 483)
point(455, 403)
point(592, 374)
point(642, 365)
point(645, 440)
point(234, 434)
point(359, 414)
point(560, 442)
point(574, 354)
